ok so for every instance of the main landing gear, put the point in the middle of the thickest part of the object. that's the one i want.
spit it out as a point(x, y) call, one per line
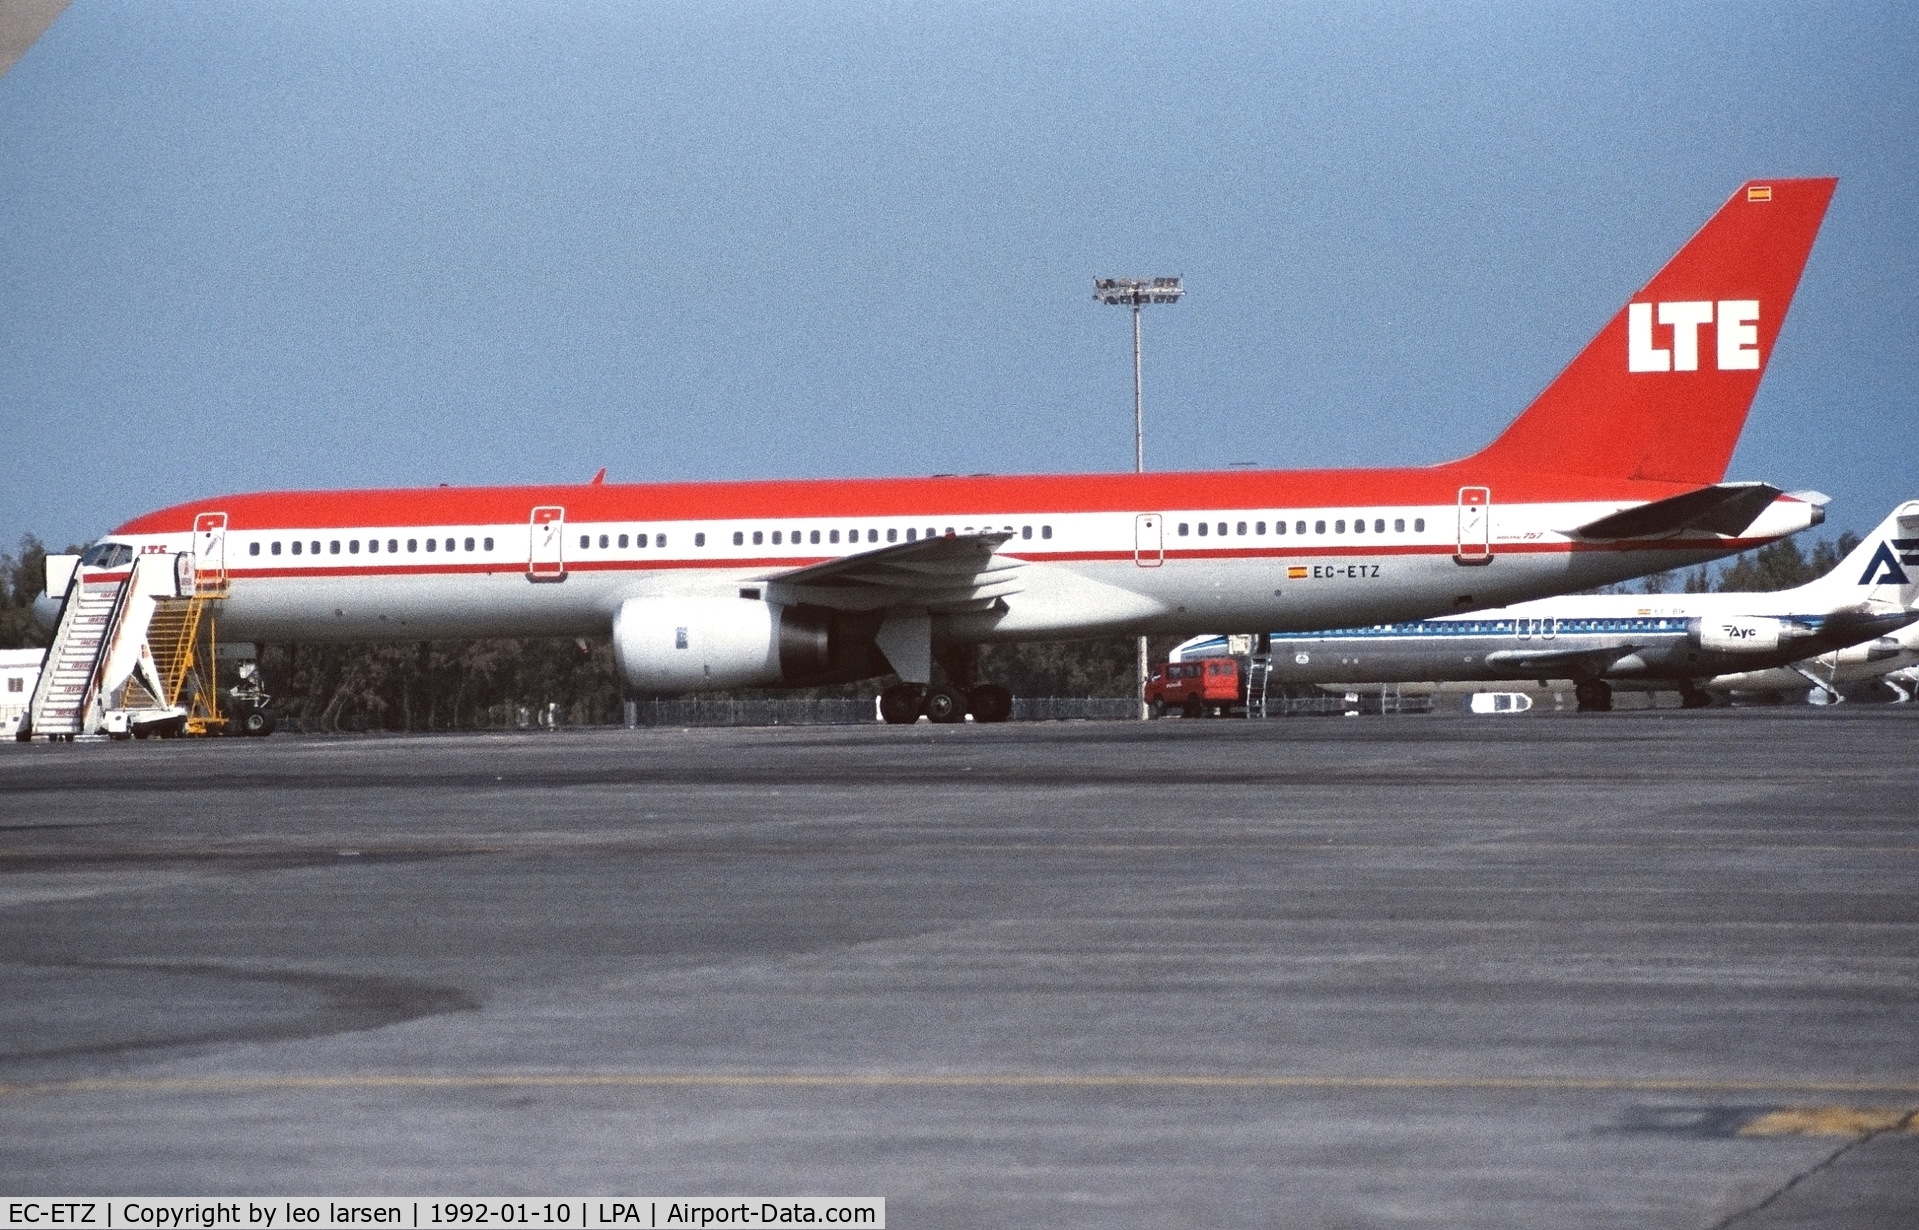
point(946, 703)
point(1593, 695)
point(943, 703)
point(1692, 696)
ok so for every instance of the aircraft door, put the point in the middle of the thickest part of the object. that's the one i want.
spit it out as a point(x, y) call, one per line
point(210, 553)
point(1149, 540)
point(546, 545)
point(1475, 526)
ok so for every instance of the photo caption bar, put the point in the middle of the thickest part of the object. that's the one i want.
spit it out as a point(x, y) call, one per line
point(358, 1212)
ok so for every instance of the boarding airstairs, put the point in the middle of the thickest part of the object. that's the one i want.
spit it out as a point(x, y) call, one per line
point(66, 700)
point(1259, 669)
point(132, 653)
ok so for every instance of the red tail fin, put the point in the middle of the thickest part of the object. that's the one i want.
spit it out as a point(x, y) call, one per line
point(1662, 392)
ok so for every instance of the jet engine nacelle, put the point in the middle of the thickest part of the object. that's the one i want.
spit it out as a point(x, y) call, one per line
point(1745, 633)
point(691, 644)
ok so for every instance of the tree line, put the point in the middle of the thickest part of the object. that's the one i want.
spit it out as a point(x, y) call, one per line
point(507, 682)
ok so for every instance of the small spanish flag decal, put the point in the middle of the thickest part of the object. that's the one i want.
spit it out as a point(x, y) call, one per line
point(1759, 192)
point(1295, 573)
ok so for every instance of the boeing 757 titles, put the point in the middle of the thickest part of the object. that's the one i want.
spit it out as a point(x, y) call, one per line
point(1614, 471)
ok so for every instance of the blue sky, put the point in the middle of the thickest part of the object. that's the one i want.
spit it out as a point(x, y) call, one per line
point(253, 246)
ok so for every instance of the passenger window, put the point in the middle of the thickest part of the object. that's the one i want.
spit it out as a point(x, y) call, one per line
point(1300, 527)
point(699, 540)
point(1339, 527)
point(469, 544)
point(585, 542)
point(832, 536)
point(1259, 527)
point(1319, 527)
point(1279, 527)
point(412, 544)
point(622, 541)
point(276, 547)
point(1045, 531)
point(1379, 525)
point(872, 535)
point(1399, 525)
point(253, 548)
point(333, 548)
point(912, 534)
point(739, 538)
point(1419, 525)
point(604, 542)
point(892, 535)
point(758, 538)
point(353, 547)
point(1359, 526)
point(776, 538)
point(393, 544)
point(1202, 529)
point(659, 540)
point(372, 546)
point(1025, 531)
point(813, 537)
point(432, 542)
point(1240, 528)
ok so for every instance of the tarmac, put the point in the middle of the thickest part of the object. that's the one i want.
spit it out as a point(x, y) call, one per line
point(1649, 969)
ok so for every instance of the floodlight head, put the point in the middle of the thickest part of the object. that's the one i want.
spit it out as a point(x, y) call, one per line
point(1132, 292)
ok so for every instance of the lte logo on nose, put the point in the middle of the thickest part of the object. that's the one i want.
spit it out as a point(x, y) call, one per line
point(1738, 335)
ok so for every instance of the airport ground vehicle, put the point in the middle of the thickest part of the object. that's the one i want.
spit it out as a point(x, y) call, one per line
point(1198, 687)
point(1615, 470)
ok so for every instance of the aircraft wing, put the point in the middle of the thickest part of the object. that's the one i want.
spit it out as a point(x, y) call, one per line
point(942, 575)
point(1727, 508)
point(1559, 663)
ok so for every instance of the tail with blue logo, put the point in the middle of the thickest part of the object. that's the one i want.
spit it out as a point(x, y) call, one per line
point(1662, 393)
point(1884, 567)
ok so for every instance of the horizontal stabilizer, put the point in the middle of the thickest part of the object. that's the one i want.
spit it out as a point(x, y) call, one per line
point(1727, 508)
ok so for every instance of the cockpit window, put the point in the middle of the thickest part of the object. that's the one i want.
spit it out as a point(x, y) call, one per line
point(108, 555)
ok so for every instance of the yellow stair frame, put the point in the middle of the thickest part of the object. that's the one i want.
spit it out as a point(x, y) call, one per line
point(183, 638)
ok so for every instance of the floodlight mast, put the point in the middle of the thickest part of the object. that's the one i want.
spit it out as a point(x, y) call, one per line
point(1136, 293)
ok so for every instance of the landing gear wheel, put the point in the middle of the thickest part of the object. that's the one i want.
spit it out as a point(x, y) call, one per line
point(990, 703)
point(259, 723)
point(1159, 706)
point(1593, 695)
point(900, 704)
point(1193, 708)
point(946, 705)
point(1694, 698)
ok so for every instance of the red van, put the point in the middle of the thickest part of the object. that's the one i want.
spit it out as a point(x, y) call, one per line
point(1201, 687)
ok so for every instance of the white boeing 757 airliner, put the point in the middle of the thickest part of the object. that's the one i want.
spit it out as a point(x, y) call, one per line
point(1614, 471)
